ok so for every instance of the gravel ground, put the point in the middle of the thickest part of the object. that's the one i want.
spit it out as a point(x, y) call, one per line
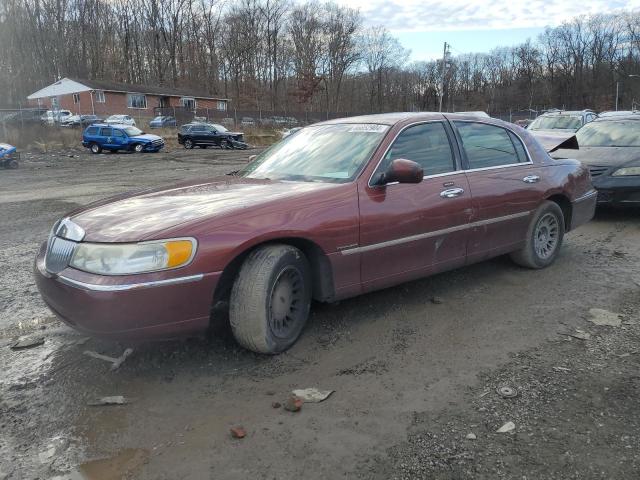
point(414, 368)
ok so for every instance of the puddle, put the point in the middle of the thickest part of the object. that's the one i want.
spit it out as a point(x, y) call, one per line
point(126, 464)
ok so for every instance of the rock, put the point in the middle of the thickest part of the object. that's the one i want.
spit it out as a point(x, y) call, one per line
point(113, 400)
point(276, 405)
point(293, 404)
point(238, 432)
point(604, 317)
point(580, 335)
point(437, 300)
point(27, 342)
point(507, 427)
point(312, 395)
point(471, 436)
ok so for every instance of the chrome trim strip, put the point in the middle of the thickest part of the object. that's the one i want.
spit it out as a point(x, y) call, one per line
point(436, 233)
point(128, 286)
point(497, 167)
point(586, 196)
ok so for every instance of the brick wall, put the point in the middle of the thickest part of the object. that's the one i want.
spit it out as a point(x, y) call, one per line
point(115, 103)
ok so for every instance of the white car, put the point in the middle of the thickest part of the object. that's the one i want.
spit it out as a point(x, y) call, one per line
point(121, 120)
point(51, 117)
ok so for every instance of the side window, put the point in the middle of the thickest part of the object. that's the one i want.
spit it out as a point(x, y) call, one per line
point(426, 144)
point(486, 145)
point(117, 133)
point(105, 132)
point(92, 131)
point(520, 148)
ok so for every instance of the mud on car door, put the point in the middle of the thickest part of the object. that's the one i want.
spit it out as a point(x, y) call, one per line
point(410, 230)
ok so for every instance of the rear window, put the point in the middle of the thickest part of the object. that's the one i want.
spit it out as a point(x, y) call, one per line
point(92, 131)
point(487, 145)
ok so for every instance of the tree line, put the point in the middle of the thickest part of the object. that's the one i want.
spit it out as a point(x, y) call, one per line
point(314, 57)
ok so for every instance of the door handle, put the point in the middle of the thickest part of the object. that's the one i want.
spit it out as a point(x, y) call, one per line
point(452, 192)
point(531, 179)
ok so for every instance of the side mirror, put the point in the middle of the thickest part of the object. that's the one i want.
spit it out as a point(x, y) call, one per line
point(402, 171)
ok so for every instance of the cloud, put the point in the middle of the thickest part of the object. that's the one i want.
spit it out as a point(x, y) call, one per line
point(444, 15)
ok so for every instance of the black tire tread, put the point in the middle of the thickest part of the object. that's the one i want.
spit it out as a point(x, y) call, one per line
point(526, 257)
point(249, 297)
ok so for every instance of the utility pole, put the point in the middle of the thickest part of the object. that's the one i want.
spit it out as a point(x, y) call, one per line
point(445, 59)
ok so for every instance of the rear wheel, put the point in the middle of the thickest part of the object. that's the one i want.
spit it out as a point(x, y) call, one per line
point(188, 144)
point(95, 148)
point(11, 164)
point(544, 237)
point(270, 299)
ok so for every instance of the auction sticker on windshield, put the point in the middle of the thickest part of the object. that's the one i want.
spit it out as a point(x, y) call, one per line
point(367, 128)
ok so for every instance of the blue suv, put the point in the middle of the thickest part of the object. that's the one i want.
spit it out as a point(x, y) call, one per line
point(100, 137)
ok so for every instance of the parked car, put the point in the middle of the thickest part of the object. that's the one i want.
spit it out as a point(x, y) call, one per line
point(289, 131)
point(247, 122)
point(162, 121)
point(51, 117)
point(228, 122)
point(561, 121)
point(9, 156)
point(340, 208)
point(102, 136)
point(618, 113)
point(204, 135)
point(610, 147)
point(120, 120)
point(80, 120)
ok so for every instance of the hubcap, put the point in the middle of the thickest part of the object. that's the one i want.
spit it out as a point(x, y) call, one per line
point(285, 302)
point(546, 236)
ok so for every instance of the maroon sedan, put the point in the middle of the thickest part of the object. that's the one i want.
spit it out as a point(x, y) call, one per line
point(338, 209)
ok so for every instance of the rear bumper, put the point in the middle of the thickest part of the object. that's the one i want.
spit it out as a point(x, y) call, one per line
point(583, 209)
point(146, 310)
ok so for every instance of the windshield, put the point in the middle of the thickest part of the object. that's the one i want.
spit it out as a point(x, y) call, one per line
point(218, 128)
point(133, 131)
point(619, 133)
point(556, 122)
point(324, 153)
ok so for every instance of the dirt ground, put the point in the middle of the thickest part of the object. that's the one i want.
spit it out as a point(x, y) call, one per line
point(414, 368)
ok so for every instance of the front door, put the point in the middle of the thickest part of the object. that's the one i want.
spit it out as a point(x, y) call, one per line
point(506, 187)
point(410, 230)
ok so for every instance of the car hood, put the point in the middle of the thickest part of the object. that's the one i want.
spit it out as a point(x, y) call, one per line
point(147, 136)
point(602, 156)
point(144, 215)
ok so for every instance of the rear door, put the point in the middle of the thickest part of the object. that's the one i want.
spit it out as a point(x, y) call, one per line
point(409, 230)
point(506, 187)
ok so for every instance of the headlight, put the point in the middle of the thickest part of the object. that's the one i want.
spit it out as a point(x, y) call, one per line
point(130, 258)
point(622, 172)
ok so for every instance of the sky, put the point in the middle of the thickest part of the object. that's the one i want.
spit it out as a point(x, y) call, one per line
point(473, 25)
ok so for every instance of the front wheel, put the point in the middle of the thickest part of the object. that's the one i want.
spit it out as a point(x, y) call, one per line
point(225, 144)
point(544, 237)
point(270, 299)
point(138, 148)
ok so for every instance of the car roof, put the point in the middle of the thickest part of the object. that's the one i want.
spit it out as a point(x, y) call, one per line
point(402, 117)
point(116, 125)
point(616, 118)
point(566, 112)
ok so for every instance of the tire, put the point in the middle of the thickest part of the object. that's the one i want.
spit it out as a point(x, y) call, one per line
point(138, 148)
point(270, 299)
point(188, 144)
point(11, 164)
point(225, 145)
point(544, 237)
point(95, 148)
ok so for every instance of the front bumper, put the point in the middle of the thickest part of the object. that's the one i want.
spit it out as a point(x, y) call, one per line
point(118, 308)
point(624, 190)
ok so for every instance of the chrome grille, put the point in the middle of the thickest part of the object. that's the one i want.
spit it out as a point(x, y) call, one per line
point(59, 253)
point(597, 171)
